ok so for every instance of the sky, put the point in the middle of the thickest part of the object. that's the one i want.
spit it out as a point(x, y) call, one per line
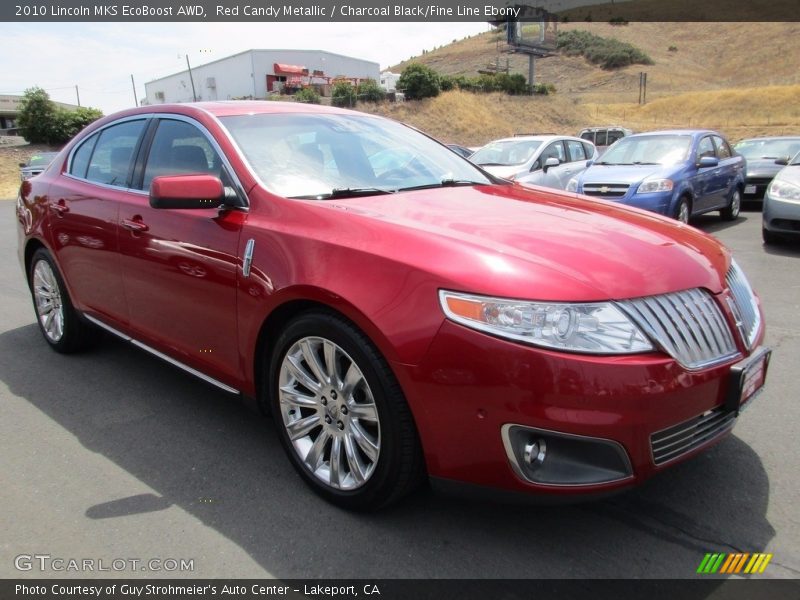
point(101, 57)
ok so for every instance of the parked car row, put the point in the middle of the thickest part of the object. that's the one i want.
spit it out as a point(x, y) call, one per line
point(402, 313)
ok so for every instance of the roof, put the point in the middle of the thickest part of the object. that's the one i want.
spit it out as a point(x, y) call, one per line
point(536, 138)
point(233, 108)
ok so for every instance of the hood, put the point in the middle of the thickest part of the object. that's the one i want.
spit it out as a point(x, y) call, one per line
point(630, 174)
point(790, 174)
point(762, 167)
point(511, 241)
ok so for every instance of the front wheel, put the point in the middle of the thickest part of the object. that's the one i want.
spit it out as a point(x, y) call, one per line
point(58, 320)
point(341, 415)
point(684, 210)
point(731, 212)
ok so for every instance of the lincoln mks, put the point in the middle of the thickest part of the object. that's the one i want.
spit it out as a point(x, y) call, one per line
point(402, 314)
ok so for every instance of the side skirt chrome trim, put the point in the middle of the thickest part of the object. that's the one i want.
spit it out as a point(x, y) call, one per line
point(164, 357)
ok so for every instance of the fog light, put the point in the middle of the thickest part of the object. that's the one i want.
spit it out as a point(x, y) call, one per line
point(534, 452)
point(556, 458)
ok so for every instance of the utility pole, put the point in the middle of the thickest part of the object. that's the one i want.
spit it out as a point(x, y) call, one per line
point(188, 66)
point(135, 99)
point(78, 94)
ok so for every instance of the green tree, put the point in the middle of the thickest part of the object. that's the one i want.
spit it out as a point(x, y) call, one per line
point(370, 90)
point(418, 81)
point(37, 116)
point(343, 94)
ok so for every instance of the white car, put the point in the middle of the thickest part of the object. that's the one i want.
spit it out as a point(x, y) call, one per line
point(546, 160)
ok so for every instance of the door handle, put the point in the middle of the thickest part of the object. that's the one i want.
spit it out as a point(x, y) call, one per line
point(135, 225)
point(59, 207)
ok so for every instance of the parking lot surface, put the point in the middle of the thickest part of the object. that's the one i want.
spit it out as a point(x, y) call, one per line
point(113, 454)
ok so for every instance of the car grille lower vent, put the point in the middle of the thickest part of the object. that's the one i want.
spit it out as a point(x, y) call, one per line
point(688, 326)
point(669, 444)
point(744, 306)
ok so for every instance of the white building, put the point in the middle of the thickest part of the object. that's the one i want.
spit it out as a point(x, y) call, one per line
point(253, 74)
point(389, 81)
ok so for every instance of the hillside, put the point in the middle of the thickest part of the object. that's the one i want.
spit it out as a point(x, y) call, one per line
point(741, 78)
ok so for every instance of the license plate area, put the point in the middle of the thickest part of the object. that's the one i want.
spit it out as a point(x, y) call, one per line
point(747, 379)
point(750, 189)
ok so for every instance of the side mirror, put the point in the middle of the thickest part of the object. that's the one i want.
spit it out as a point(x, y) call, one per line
point(550, 162)
point(783, 160)
point(589, 163)
point(708, 161)
point(186, 192)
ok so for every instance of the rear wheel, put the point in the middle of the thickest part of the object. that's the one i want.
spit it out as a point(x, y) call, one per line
point(731, 212)
point(58, 320)
point(684, 210)
point(341, 415)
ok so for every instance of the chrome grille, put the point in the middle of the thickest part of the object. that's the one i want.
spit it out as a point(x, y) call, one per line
point(744, 305)
point(679, 439)
point(688, 326)
point(606, 190)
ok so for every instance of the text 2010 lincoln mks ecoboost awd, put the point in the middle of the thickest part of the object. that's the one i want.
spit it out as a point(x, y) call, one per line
point(401, 313)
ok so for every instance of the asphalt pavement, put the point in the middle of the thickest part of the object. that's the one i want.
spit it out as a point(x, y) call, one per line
point(113, 455)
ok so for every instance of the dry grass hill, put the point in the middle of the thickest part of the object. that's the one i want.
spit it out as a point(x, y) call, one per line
point(741, 78)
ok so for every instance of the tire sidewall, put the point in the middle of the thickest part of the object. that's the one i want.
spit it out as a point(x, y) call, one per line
point(337, 330)
point(69, 315)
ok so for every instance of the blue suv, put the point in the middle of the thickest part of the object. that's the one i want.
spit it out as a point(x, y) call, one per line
point(678, 173)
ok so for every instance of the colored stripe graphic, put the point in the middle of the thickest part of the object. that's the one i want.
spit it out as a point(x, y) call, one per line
point(720, 562)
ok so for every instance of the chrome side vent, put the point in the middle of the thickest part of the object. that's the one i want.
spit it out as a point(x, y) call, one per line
point(744, 305)
point(688, 326)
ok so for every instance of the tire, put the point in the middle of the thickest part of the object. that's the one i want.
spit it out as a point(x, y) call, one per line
point(684, 210)
point(769, 237)
point(731, 212)
point(351, 437)
point(60, 324)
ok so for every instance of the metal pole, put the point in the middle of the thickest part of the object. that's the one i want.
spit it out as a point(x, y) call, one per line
point(188, 66)
point(78, 94)
point(135, 99)
point(644, 91)
point(531, 71)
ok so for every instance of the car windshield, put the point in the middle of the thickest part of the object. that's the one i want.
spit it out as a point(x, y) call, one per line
point(648, 149)
point(41, 160)
point(795, 160)
point(506, 153)
point(320, 156)
point(754, 149)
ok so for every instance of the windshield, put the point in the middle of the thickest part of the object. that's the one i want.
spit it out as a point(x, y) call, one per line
point(795, 160)
point(507, 153)
point(323, 156)
point(41, 160)
point(648, 150)
point(755, 149)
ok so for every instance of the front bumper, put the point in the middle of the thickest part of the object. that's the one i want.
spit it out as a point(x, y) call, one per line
point(781, 216)
point(471, 386)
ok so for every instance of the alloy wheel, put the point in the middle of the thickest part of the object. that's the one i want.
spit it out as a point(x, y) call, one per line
point(49, 306)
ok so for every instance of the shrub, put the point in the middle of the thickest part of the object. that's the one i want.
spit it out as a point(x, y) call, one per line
point(418, 81)
point(370, 90)
point(42, 121)
point(307, 95)
point(609, 53)
point(672, 49)
point(343, 94)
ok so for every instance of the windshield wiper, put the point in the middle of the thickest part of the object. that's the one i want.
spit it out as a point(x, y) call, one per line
point(602, 162)
point(641, 162)
point(346, 193)
point(442, 183)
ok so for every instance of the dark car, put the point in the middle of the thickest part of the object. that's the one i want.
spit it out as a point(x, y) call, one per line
point(679, 173)
point(781, 215)
point(401, 313)
point(765, 157)
point(36, 164)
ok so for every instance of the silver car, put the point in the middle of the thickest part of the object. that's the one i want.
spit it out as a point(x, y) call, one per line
point(545, 160)
point(37, 164)
point(765, 157)
point(781, 214)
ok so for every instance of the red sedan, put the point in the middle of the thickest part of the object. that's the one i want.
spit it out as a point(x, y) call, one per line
point(400, 312)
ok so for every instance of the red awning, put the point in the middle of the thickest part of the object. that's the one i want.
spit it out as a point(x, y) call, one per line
point(293, 69)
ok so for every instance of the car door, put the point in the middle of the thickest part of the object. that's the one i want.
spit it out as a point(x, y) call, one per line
point(705, 181)
point(84, 209)
point(179, 267)
point(727, 172)
point(549, 178)
point(575, 163)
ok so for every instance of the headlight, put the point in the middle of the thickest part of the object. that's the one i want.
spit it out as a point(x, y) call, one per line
point(650, 186)
point(572, 185)
point(783, 190)
point(592, 328)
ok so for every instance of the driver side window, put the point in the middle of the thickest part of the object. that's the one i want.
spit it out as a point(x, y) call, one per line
point(705, 148)
point(179, 148)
